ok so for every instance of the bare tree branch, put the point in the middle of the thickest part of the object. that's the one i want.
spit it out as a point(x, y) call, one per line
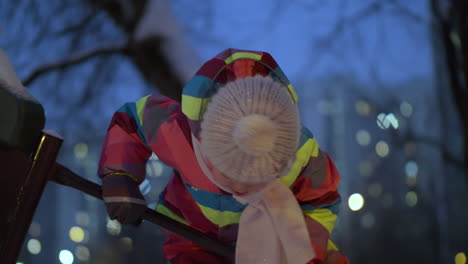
point(127, 14)
point(150, 59)
point(437, 144)
point(81, 25)
point(76, 59)
point(406, 12)
point(309, 6)
point(332, 42)
point(88, 91)
point(340, 26)
point(44, 20)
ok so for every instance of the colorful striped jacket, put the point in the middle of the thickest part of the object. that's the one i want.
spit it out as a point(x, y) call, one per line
point(158, 124)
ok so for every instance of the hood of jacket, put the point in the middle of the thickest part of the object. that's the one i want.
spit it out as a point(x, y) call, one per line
point(227, 66)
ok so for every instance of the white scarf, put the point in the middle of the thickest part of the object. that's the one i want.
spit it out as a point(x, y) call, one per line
point(272, 229)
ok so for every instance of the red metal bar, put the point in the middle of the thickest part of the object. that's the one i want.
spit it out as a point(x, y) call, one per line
point(68, 178)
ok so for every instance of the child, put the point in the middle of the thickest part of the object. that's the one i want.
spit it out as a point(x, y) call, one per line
point(246, 171)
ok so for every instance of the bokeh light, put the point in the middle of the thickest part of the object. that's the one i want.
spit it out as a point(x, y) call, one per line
point(367, 220)
point(406, 109)
point(411, 199)
point(365, 168)
point(411, 181)
point(325, 107)
point(411, 171)
point(382, 121)
point(363, 108)
point(363, 137)
point(382, 149)
point(34, 246)
point(356, 202)
point(34, 229)
point(410, 148)
point(375, 190)
point(387, 201)
point(113, 227)
point(411, 168)
point(82, 253)
point(455, 38)
point(460, 258)
point(393, 120)
point(385, 121)
point(82, 218)
point(81, 150)
point(126, 244)
point(66, 257)
point(77, 234)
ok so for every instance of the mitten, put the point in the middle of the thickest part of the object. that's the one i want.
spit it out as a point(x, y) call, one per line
point(123, 199)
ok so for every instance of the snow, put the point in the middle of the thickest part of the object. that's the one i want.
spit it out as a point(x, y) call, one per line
point(9, 80)
point(160, 21)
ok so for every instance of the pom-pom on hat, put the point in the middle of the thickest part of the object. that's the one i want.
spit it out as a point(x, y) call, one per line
point(251, 128)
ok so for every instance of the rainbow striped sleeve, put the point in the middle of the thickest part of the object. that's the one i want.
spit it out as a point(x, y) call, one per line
point(316, 190)
point(132, 134)
point(124, 149)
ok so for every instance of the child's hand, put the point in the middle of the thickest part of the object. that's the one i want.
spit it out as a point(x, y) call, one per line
point(123, 198)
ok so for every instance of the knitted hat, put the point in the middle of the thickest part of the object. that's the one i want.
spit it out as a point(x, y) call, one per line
point(250, 131)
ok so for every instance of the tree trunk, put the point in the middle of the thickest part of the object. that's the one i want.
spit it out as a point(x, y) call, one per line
point(453, 21)
point(157, 46)
point(461, 6)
